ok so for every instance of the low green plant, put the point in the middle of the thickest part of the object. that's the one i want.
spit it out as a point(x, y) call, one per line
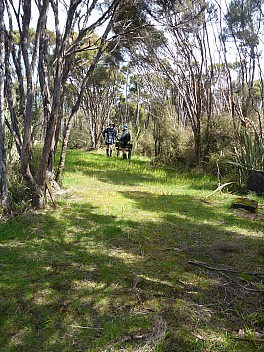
point(17, 189)
point(250, 154)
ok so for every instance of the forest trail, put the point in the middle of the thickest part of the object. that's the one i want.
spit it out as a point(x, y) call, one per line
point(131, 259)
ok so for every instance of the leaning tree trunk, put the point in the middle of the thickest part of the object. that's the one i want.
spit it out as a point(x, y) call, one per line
point(29, 63)
point(64, 149)
point(77, 105)
point(50, 137)
point(4, 202)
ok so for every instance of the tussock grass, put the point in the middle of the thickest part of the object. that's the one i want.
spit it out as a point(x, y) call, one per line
point(111, 269)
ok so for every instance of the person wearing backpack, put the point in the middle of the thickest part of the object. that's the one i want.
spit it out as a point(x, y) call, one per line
point(124, 139)
point(110, 135)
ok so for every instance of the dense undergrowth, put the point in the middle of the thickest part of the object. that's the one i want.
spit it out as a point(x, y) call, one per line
point(134, 258)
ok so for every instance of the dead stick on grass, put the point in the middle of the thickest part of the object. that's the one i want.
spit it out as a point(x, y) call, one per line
point(249, 339)
point(242, 286)
point(195, 262)
point(219, 188)
point(84, 327)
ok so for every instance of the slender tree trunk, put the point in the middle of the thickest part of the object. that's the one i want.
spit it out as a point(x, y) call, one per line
point(209, 97)
point(4, 201)
point(9, 86)
point(197, 146)
point(37, 192)
point(261, 112)
point(64, 149)
point(79, 101)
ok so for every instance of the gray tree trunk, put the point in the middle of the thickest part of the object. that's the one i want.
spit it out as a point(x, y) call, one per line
point(76, 107)
point(4, 201)
point(34, 52)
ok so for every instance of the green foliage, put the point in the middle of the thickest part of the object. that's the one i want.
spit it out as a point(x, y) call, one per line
point(146, 144)
point(79, 137)
point(243, 20)
point(221, 134)
point(250, 155)
point(17, 189)
point(35, 158)
point(257, 91)
point(87, 54)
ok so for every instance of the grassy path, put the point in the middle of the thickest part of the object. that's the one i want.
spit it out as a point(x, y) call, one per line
point(112, 269)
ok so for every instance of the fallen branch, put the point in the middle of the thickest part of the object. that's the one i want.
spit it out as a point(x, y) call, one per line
point(155, 334)
point(219, 188)
point(248, 339)
point(48, 185)
point(242, 286)
point(195, 262)
point(172, 249)
point(84, 327)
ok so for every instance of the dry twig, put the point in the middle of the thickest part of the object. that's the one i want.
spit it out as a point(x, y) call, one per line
point(195, 262)
point(219, 188)
point(221, 271)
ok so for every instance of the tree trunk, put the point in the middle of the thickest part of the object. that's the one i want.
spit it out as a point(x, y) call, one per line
point(197, 147)
point(76, 107)
point(4, 201)
point(64, 149)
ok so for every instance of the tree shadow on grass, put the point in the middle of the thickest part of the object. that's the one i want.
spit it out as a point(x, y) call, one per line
point(133, 173)
point(58, 283)
point(117, 172)
point(81, 281)
point(190, 209)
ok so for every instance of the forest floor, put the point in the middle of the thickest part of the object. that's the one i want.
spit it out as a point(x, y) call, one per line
point(134, 258)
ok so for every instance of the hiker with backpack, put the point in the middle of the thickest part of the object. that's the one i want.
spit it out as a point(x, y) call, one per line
point(124, 139)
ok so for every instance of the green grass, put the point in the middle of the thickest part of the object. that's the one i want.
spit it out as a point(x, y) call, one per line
point(113, 267)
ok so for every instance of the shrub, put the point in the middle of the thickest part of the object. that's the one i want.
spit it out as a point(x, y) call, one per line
point(249, 155)
point(146, 144)
point(79, 138)
point(19, 194)
point(17, 189)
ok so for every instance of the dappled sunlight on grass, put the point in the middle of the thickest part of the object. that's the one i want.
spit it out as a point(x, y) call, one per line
point(44, 296)
point(113, 267)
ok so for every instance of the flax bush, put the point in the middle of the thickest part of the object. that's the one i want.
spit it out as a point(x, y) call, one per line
point(249, 155)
